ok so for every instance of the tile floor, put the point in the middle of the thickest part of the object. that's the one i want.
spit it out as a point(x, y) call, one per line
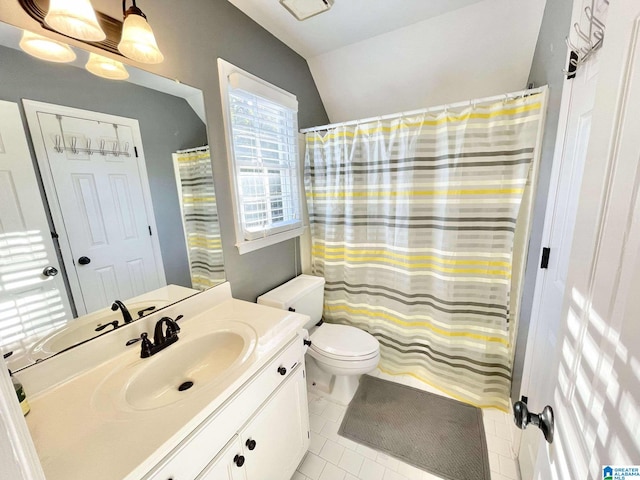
point(331, 457)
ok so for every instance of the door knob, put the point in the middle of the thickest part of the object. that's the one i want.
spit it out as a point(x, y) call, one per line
point(50, 271)
point(544, 420)
point(84, 260)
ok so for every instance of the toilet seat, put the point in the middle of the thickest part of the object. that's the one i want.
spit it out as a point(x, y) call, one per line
point(343, 358)
point(344, 342)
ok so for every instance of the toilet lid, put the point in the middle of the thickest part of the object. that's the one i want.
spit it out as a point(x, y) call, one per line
point(343, 341)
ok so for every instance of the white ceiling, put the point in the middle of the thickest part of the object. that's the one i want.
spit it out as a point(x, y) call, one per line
point(348, 21)
point(375, 57)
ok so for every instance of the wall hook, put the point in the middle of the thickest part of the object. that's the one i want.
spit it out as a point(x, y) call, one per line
point(570, 44)
point(582, 35)
point(592, 42)
point(57, 144)
point(593, 19)
point(599, 34)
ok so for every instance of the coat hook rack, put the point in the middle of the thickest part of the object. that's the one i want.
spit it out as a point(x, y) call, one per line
point(116, 150)
point(588, 42)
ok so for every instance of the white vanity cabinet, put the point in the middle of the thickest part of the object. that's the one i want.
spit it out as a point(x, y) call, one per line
point(272, 444)
point(224, 466)
point(261, 434)
point(280, 432)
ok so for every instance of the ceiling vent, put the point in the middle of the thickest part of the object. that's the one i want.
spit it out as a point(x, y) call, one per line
point(303, 9)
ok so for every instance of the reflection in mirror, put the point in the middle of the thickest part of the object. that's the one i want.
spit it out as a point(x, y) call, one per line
point(106, 193)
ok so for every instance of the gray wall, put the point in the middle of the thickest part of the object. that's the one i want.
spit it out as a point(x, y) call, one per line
point(167, 124)
point(548, 62)
point(192, 35)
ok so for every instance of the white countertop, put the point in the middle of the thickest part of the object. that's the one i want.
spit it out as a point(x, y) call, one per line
point(81, 435)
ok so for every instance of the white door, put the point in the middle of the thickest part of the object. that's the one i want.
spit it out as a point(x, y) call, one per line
point(564, 191)
point(278, 437)
point(31, 302)
point(594, 381)
point(228, 464)
point(100, 191)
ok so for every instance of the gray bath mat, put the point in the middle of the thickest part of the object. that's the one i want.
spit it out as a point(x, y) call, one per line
point(441, 436)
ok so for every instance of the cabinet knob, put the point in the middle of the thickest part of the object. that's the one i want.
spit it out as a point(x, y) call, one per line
point(238, 460)
point(84, 260)
point(251, 444)
point(282, 371)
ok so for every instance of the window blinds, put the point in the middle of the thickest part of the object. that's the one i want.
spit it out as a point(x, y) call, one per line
point(264, 133)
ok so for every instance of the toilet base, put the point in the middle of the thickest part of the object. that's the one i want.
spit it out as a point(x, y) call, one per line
point(339, 389)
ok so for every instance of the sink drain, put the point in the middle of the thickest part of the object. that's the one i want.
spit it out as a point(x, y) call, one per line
point(185, 386)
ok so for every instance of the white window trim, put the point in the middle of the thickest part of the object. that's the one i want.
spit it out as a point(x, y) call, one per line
point(228, 73)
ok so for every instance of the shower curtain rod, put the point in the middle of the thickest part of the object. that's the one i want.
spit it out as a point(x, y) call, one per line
point(196, 149)
point(392, 116)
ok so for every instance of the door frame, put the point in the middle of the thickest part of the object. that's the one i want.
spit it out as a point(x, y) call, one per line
point(556, 167)
point(565, 105)
point(542, 274)
point(32, 108)
point(605, 238)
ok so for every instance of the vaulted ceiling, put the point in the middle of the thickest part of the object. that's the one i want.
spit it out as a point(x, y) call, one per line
point(374, 57)
point(348, 21)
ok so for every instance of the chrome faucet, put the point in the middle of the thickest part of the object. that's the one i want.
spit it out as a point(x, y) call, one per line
point(126, 316)
point(162, 337)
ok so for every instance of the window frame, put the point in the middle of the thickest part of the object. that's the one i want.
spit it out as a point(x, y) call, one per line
point(246, 241)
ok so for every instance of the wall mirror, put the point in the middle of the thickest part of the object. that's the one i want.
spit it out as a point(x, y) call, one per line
point(106, 194)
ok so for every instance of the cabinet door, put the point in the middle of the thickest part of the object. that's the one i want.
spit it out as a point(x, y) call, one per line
point(280, 430)
point(228, 464)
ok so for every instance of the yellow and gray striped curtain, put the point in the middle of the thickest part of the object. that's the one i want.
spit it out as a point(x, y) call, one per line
point(412, 224)
point(200, 217)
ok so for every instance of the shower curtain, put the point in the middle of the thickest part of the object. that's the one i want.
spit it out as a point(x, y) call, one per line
point(200, 217)
point(412, 223)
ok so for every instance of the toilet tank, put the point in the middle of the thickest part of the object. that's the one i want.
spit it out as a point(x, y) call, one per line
point(304, 294)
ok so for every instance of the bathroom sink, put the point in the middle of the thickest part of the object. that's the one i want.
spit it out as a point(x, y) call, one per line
point(83, 328)
point(188, 366)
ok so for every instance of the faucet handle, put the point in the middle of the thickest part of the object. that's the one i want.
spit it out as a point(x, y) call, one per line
point(114, 324)
point(172, 327)
point(145, 310)
point(174, 324)
point(145, 346)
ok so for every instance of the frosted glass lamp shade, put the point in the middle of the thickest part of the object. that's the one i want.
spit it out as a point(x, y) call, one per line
point(138, 41)
point(106, 67)
point(76, 19)
point(46, 49)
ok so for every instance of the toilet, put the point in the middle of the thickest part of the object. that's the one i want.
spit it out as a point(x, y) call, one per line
point(338, 354)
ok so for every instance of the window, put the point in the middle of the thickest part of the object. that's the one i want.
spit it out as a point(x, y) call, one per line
point(262, 141)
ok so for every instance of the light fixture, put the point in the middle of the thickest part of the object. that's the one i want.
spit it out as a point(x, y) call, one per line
point(106, 67)
point(46, 49)
point(303, 9)
point(74, 18)
point(138, 41)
